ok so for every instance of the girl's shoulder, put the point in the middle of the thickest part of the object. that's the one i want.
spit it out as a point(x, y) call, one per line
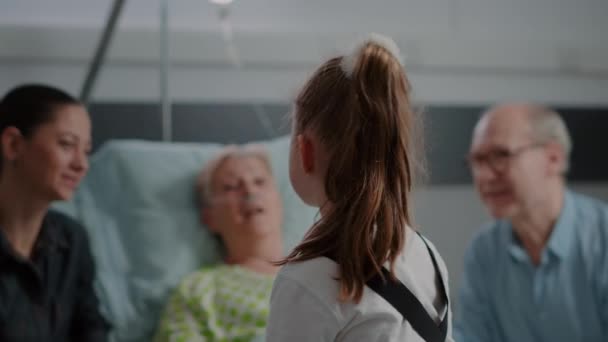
point(318, 275)
point(419, 244)
point(317, 268)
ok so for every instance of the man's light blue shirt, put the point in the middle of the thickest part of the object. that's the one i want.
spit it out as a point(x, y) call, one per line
point(506, 298)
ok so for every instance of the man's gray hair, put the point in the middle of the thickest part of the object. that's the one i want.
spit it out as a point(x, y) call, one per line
point(548, 126)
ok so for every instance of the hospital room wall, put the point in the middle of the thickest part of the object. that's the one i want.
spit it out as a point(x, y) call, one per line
point(447, 208)
point(215, 102)
point(224, 103)
point(463, 68)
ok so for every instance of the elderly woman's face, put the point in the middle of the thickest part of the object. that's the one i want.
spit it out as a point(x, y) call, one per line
point(244, 198)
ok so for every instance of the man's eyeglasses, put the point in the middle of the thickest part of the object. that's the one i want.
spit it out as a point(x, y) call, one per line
point(498, 159)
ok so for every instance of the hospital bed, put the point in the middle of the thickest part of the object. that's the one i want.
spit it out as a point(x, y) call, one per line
point(137, 204)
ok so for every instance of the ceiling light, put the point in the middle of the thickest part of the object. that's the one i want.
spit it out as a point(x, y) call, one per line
point(221, 2)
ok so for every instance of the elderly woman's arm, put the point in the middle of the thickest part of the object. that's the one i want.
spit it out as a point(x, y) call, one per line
point(183, 319)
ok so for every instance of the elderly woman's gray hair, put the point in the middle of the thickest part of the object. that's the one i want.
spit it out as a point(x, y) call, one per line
point(204, 180)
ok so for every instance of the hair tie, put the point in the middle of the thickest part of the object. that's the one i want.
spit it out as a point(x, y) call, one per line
point(349, 60)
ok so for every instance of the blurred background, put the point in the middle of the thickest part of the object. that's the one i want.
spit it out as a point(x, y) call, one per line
point(232, 67)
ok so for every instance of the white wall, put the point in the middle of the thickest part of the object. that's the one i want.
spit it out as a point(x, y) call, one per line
point(273, 67)
point(457, 51)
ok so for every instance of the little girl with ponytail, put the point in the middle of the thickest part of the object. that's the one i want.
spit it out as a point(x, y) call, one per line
point(361, 273)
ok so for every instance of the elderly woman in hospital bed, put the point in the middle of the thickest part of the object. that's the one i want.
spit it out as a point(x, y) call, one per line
point(240, 203)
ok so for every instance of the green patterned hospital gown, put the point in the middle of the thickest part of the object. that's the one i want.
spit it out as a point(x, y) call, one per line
point(222, 303)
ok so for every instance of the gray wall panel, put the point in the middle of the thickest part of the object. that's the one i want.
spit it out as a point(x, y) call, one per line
point(227, 123)
point(125, 121)
point(447, 132)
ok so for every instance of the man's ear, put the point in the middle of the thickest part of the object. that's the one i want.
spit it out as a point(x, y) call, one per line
point(306, 151)
point(12, 141)
point(557, 158)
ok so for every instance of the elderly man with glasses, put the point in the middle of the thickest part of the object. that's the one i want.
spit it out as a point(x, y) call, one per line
point(539, 272)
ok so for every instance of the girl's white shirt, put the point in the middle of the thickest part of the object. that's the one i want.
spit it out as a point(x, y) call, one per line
point(304, 303)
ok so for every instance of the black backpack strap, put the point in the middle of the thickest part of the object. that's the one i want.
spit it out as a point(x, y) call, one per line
point(443, 325)
point(402, 299)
